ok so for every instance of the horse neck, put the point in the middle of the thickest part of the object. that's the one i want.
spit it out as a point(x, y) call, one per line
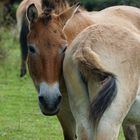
point(76, 24)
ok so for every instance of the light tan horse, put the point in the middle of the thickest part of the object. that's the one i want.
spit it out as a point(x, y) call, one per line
point(56, 23)
point(110, 52)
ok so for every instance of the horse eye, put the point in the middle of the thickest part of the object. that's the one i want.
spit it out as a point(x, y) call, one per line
point(32, 49)
point(64, 49)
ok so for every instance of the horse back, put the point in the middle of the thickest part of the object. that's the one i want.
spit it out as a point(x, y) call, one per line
point(126, 16)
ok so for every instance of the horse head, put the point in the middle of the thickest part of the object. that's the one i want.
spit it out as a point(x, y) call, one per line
point(47, 44)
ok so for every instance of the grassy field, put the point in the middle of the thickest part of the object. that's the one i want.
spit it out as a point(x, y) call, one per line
point(20, 117)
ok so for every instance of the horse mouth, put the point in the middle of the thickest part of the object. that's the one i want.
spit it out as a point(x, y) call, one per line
point(48, 112)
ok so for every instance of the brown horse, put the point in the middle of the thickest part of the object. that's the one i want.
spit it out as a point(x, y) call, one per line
point(64, 116)
point(45, 56)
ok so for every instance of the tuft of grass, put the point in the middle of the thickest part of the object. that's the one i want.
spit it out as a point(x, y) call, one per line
point(20, 117)
point(3, 50)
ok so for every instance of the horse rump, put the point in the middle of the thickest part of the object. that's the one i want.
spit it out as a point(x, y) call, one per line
point(89, 60)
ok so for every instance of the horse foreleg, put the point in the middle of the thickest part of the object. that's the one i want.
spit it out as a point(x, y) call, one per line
point(68, 126)
point(67, 120)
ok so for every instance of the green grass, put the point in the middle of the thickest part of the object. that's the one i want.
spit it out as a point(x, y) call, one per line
point(20, 117)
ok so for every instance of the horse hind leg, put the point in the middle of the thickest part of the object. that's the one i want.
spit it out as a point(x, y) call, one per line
point(138, 131)
point(133, 118)
point(112, 119)
point(67, 120)
point(130, 132)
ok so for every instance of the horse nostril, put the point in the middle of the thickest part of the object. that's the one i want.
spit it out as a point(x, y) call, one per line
point(41, 100)
point(59, 98)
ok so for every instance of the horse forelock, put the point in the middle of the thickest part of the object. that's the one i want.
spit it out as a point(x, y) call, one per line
point(45, 17)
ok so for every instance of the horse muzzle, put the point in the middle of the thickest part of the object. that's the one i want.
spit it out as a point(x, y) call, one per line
point(49, 99)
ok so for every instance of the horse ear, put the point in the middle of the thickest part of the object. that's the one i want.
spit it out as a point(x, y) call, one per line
point(32, 13)
point(66, 15)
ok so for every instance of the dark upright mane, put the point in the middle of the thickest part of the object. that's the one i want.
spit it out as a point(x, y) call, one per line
point(57, 6)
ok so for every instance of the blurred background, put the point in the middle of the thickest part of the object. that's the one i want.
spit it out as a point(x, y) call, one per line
point(20, 117)
point(8, 7)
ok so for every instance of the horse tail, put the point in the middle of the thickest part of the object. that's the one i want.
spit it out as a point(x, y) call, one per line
point(108, 88)
point(23, 45)
point(104, 98)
